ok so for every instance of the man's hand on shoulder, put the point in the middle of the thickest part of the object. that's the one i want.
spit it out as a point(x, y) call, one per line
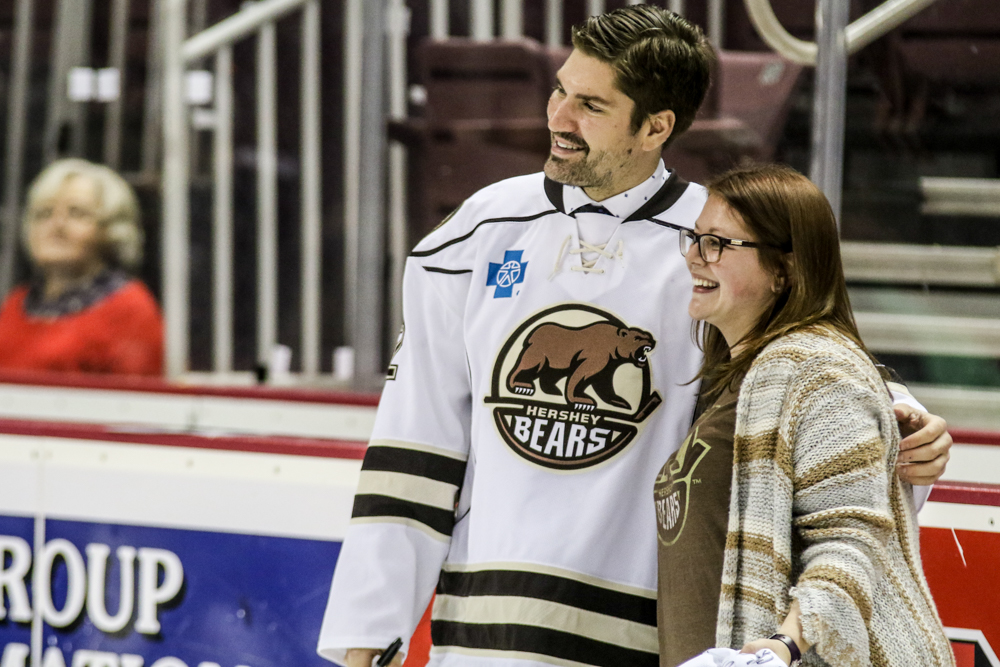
point(363, 657)
point(925, 448)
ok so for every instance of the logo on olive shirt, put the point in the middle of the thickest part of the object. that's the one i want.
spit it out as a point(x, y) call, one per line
point(572, 387)
point(672, 490)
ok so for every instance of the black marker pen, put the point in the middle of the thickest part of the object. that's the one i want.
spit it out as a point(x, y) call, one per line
point(389, 653)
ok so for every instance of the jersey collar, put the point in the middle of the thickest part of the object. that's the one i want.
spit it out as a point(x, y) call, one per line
point(654, 195)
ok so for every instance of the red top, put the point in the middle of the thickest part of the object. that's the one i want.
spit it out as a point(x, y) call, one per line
point(121, 333)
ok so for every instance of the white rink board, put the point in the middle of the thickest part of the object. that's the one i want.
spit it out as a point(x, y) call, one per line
point(136, 484)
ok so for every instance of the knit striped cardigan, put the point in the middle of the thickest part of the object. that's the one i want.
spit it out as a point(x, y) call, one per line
point(817, 513)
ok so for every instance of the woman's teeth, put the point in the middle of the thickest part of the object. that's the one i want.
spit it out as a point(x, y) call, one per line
point(701, 282)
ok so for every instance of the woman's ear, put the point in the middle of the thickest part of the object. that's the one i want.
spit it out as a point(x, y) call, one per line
point(778, 284)
point(783, 277)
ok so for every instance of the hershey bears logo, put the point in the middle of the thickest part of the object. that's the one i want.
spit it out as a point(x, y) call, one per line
point(572, 387)
point(672, 490)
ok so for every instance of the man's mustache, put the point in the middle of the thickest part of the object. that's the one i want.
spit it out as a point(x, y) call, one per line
point(573, 139)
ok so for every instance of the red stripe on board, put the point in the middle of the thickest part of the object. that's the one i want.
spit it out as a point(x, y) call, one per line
point(968, 436)
point(966, 493)
point(336, 449)
point(159, 386)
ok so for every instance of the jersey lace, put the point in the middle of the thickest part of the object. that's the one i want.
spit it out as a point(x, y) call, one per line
point(586, 265)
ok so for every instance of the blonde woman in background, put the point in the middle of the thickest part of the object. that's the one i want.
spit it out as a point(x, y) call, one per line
point(82, 311)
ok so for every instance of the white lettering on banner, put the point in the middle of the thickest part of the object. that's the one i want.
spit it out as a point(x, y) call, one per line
point(12, 580)
point(53, 657)
point(16, 655)
point(76, 583)
point(83, 658)
point(150, 594)
point(85, 586)
point(97, 560)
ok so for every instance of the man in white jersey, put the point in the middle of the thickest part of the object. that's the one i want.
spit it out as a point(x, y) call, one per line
point(541, 382)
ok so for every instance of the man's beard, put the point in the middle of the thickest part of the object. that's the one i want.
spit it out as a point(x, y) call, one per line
point(585, 173)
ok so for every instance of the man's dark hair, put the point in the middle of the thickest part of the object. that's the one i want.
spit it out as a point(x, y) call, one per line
point(660, 60)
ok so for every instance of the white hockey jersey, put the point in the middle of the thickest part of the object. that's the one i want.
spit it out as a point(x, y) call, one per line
point(530, 403)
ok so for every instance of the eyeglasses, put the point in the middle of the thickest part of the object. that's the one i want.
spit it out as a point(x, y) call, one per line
point(710, 245)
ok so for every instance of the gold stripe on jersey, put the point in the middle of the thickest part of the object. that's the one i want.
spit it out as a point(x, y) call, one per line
point(411, 488)
point(502, 610)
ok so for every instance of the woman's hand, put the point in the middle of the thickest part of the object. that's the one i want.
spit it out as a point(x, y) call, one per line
point(790, 627)
point(924, 450)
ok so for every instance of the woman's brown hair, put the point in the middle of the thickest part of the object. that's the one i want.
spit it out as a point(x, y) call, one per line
point(781, 209)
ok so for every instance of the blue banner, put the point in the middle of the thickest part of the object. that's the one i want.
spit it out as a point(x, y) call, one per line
point(134, 596)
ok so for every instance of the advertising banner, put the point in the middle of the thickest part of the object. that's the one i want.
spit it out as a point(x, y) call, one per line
point(229, 566)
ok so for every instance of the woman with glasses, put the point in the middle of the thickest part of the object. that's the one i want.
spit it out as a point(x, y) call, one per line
point(781, 521)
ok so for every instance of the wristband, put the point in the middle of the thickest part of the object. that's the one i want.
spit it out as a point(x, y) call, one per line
point(793, 648)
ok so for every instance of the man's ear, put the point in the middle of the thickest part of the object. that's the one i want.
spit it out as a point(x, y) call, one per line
point(659, 126)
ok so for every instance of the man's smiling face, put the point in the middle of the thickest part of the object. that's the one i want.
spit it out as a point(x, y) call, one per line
point(593, 145)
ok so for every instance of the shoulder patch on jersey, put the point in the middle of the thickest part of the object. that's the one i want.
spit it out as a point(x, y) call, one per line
point(507, 275)
point(572, 387)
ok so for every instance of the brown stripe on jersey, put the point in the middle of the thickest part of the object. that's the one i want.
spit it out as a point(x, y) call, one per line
point(839, 578)
point(541, 641)
point(414, 462)
point(375, 506)
point(550, 587)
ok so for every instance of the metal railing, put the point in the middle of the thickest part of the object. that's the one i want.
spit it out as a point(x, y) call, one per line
point(368, 161)
point(835, 41)
point(17, 119)
point(960, 196)
point(859, 34)
point(909, 264)
point(66, 123)
point(217, 41)
point(482, 25)
point(930, 334)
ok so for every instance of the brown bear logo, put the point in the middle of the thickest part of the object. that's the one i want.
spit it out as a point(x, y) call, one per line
point(586, 356)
